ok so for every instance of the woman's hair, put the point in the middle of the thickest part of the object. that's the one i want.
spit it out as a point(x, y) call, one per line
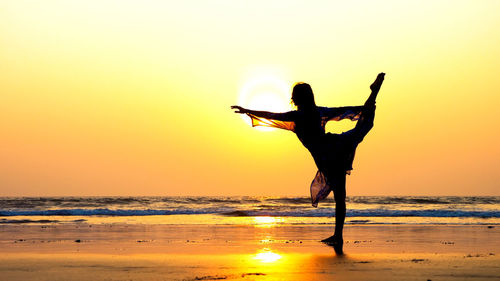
point(302, 96)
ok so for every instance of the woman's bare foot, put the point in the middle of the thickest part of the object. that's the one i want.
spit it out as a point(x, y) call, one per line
point(333, 240)
point(336, 243)
point(375, 86)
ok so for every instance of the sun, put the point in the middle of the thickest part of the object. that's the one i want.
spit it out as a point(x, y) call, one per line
point(267, 93)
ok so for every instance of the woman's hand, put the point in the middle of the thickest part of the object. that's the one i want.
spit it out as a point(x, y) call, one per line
point(239, 109)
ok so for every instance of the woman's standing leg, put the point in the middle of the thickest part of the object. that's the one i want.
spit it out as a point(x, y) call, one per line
point(339, 193)
point(337, 182)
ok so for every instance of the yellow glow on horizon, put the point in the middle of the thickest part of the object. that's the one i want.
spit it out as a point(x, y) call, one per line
point(266, 221)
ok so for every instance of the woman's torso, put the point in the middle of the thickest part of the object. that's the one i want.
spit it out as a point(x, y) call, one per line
point(309, 129)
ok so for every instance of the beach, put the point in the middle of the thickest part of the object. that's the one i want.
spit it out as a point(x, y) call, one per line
point(264, 251)
point(248, 238)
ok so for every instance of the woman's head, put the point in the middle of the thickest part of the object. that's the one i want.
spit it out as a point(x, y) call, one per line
point(302, 96)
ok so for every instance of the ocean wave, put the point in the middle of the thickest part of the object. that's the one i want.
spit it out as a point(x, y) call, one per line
point(98, 212)
point(326, 212)
point(174, 202)
point(236, 214)
point(424, 200)
point(310, 212)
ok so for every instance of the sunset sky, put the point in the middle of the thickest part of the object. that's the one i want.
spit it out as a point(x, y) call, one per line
point(133, 97)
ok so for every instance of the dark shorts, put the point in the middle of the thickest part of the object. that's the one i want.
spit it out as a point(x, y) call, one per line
point(341, 148)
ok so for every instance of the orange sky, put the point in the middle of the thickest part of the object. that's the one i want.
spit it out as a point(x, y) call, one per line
point(132, 97)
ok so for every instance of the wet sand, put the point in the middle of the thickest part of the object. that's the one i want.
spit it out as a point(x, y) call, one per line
point(241, 252)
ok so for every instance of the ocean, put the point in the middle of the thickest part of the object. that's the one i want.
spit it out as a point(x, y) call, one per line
point(249, 210)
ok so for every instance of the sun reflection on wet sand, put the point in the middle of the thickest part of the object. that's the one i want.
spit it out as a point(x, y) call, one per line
point(267, 256)
point(266, 221)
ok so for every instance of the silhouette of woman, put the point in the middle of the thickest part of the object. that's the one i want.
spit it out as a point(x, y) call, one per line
point(332, 153)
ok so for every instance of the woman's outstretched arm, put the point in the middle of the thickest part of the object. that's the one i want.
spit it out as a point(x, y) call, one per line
point(339, 113)
point(285, 116)
point(335, 112)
